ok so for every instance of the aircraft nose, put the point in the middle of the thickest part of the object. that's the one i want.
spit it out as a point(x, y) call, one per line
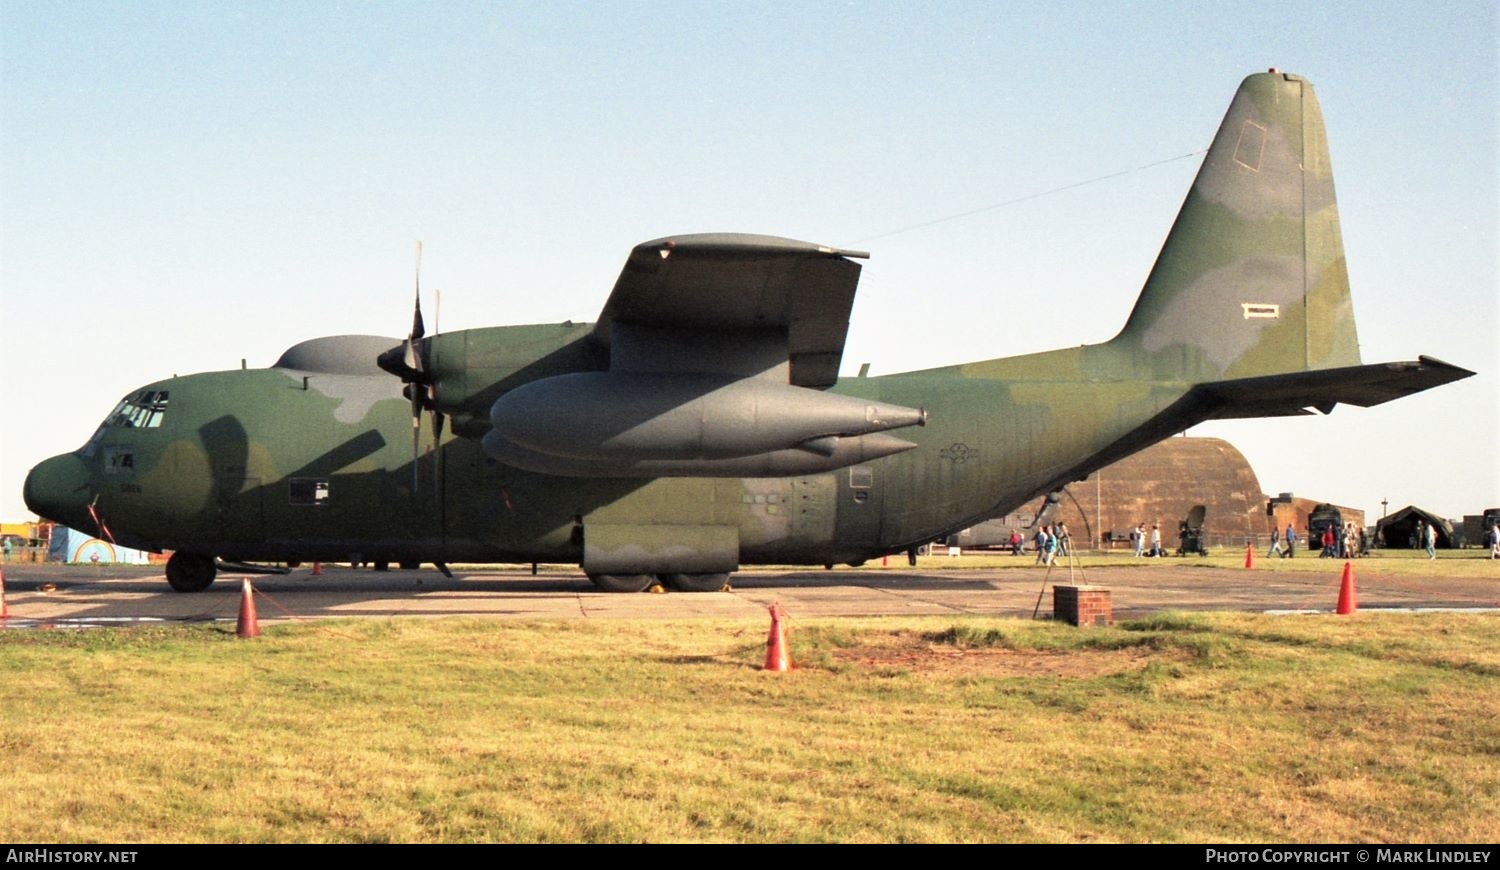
point(60, 489)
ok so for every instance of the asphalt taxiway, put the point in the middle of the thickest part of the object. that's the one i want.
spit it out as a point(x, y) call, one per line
point(81, 595)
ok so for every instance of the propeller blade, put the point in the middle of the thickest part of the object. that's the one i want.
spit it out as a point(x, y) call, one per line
point(416, 435)
point(414, 362)
point(417, 328)
point(429, 401)
point(411, 358)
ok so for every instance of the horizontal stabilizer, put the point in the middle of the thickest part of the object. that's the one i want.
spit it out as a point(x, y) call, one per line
point(1296, 393)
point(1274, 396)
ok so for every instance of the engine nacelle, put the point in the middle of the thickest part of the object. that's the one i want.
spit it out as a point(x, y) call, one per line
point(632, 416)
point(833, 453)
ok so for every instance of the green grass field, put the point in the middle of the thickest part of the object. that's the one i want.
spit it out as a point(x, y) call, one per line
point(1379, 727)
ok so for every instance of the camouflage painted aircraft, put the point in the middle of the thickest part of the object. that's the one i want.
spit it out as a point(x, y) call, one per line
point(700, 424)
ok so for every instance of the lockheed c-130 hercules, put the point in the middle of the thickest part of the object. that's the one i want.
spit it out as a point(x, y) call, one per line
point(700, 423)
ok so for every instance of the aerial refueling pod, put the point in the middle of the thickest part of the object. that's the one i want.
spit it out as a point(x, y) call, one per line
point(664, 424)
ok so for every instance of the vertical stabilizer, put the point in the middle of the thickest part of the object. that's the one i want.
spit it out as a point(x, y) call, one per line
point(1251, 281)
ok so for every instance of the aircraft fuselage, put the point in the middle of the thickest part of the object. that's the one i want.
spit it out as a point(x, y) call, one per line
point(291, 464)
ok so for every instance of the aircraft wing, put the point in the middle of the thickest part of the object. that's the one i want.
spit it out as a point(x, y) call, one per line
point(719, 349)
point(729, 284)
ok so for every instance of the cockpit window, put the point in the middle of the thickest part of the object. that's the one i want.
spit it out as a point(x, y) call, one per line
point(143, 410)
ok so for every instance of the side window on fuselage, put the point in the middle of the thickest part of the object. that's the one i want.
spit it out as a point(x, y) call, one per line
point(308, 491)
point(119, 459)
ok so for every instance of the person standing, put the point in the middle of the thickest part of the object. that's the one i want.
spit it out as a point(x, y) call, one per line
point(1155, 541)
point(1429, 539)
point(1291, 542)
point(1495, 541)
point(1138, 536)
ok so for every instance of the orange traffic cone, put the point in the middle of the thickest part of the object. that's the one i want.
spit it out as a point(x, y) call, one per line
point(1249, 555)
point(317, 568)
point(4, 608)
point(1348, 602)
point(248, 625)
point(778, 654)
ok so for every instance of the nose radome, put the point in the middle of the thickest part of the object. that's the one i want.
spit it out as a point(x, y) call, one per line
point(59, 489)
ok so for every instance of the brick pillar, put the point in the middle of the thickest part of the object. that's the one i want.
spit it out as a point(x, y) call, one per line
point(1082, 605)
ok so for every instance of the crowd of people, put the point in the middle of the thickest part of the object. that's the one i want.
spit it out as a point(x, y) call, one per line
point(1050, 542)
point(1350, 541)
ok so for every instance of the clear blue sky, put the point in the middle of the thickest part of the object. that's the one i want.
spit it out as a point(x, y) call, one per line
point(186, 184)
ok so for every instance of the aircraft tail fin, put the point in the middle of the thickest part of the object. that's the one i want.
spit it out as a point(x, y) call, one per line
point(1251, 281)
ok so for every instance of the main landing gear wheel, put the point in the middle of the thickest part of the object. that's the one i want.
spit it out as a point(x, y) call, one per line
point(696, 582)
point(190, 572)
point(623, 582)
